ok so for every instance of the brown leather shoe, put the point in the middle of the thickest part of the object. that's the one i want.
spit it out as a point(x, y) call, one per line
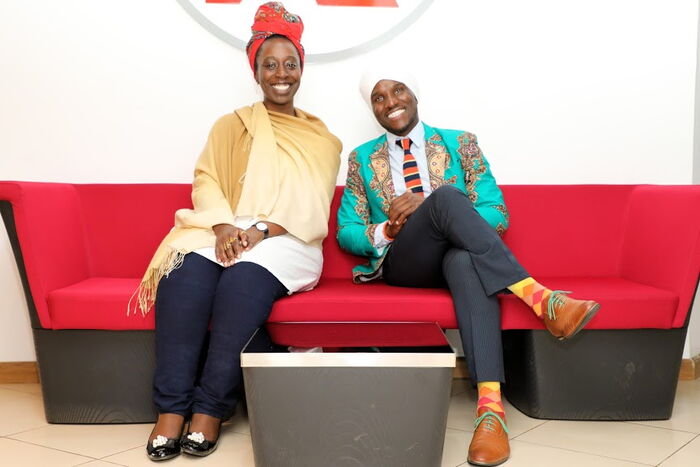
point(566, 316)
point(489, 444)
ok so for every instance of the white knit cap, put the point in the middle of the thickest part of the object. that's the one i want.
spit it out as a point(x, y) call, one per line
point(380, 71)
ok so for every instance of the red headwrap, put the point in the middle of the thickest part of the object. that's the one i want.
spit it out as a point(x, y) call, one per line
point(272, 18)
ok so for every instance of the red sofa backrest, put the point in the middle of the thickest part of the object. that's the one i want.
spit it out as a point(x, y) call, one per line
point(49, 229)
point(336, 262)
point(661, 246)
point(124, 224)
point(646, 233)
point(567, 230)
point(564, 230)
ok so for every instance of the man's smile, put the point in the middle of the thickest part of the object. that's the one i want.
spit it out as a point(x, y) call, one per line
point(394, 114)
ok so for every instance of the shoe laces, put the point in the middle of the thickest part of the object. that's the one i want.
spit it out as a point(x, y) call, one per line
point(489, 418)
point(556, 300)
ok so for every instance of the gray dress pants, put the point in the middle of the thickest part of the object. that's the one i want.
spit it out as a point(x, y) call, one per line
point(446, 243)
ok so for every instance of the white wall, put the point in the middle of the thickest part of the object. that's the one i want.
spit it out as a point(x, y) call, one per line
point(692, 343)
point(594, 91)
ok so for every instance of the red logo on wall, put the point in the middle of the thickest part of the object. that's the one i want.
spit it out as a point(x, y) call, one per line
point(365, 3)
point(333, 29)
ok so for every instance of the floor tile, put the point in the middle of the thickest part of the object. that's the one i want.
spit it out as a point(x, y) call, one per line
point(20, 412)
point(455, 449)
point(688, 391)
point(685, 417)
point(100, 464)
point(526, 455)
point(518, 422)
point(687, 456)
point(95, 441)
point(618, 440)
point(235, 450)
point(462, 410)
point(239, 423)
point(673, 443)
point(29, 388)
point(18, 454)
point(686, 409)
point(460, 385)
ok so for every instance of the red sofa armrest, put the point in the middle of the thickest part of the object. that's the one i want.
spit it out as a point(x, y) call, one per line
point(661, 244)
point(49, 229)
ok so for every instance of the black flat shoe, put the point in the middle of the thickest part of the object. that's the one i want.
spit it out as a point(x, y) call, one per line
point(194, 444)
point(162, 448)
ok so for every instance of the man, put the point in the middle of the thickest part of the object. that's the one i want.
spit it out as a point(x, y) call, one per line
point(422, 205)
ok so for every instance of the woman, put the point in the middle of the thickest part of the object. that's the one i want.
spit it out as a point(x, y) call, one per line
point(261, 194)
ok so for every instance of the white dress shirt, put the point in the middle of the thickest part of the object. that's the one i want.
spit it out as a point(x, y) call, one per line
point(417, 136)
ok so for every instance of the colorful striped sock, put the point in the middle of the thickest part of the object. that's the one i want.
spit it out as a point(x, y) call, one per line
point(532, 293)
point(490, 398)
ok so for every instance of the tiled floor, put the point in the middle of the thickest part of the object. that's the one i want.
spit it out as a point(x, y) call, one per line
point(27, 440)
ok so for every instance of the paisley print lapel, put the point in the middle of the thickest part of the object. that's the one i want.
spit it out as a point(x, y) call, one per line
point(472, 160)
point(438, 161)
point(381, 182)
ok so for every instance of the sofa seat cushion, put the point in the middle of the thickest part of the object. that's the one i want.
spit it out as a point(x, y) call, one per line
point(97, 303)
point(342, 300)
point(101, 303)
point(624, 304)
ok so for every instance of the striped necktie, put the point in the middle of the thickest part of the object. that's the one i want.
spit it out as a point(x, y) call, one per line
point(410, 168)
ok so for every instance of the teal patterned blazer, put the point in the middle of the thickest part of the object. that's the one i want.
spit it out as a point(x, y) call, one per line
point(454, 158)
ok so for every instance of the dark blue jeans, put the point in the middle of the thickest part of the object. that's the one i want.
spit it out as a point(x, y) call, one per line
point(233, 302)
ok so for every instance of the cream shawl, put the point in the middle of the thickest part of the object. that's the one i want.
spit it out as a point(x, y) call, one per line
point(256, 163)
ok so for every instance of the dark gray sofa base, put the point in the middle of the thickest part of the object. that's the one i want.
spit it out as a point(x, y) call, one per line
point(628, 374)
point(96, 376)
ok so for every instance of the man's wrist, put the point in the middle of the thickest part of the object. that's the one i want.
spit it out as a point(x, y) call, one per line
point(379, 240)
point(387, 235)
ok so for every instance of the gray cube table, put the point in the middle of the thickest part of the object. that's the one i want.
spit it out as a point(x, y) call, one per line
point(377, 395)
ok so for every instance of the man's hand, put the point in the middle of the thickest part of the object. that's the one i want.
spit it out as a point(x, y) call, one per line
point(228, 243)
point(399, 211)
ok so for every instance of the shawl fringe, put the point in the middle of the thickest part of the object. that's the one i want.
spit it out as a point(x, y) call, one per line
point(145, 294)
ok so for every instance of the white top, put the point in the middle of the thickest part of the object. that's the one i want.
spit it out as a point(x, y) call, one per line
point(294, 263)
point(417, 136)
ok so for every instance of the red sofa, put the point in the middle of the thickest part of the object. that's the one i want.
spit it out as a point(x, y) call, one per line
point(81, 250)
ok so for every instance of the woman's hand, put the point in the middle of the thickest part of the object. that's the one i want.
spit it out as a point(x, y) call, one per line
point(251, 237)
point(228, 243)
